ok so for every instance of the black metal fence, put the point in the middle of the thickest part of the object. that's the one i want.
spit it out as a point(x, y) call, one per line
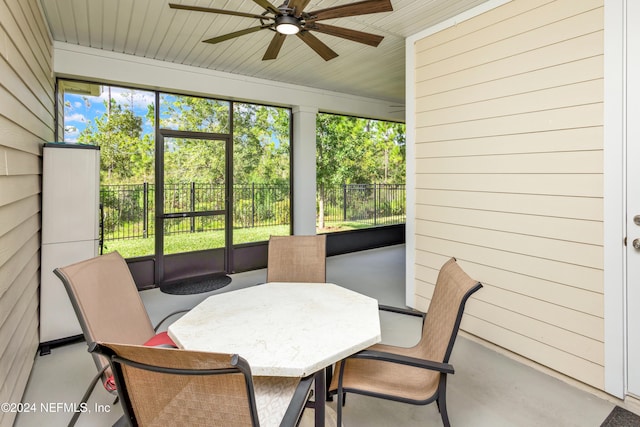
point(372, 204)
point(129, 210)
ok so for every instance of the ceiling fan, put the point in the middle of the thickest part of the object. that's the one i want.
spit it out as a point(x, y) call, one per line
point(290, 18)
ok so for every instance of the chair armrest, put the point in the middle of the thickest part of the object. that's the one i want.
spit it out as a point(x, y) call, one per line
point(384, 356)
point(400, 310)
point(297, 404)
point(167, 317)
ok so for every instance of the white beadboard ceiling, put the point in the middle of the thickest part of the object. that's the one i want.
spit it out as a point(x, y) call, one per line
point(150, 29)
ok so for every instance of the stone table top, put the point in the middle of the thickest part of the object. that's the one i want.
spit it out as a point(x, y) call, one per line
point(282, 329)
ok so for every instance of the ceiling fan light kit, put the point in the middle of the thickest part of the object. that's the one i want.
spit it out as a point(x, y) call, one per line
point(287, 25)
point(290, 19)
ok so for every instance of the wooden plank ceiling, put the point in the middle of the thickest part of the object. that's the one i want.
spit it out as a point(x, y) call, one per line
point(150, 29)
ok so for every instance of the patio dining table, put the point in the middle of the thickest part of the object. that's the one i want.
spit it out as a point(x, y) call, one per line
point(283, 329)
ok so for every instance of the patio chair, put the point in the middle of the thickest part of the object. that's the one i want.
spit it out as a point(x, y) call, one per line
point(418, 374)
point(164, 387)
point(106, 301)
point(297, 259)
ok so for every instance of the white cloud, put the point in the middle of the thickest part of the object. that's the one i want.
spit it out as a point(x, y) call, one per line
point(71, 134)
point(76, 117)
point(122, 96)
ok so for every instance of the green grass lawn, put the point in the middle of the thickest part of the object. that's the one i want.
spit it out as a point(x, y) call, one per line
point(187, 242)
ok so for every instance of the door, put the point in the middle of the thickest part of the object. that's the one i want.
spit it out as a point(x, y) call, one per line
point(633, 197)
point(193, 224)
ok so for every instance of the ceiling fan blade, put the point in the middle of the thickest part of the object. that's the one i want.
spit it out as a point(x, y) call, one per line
point(235, 34)
point(352, 9)
point(220, 11)
point(298, 5)
point(274, 47)
point(314, 43)
point(346, 33)
point(267, 6)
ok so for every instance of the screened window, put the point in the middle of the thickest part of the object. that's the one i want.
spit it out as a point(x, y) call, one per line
point(122, 122)
point(360, 168)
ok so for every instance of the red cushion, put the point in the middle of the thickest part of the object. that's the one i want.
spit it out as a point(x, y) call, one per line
point(158, 340)
point(110, 384)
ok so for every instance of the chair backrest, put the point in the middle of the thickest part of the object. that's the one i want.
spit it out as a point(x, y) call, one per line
point(165, 387)
point(453, 288)
point(106, 301)
point(297, 259)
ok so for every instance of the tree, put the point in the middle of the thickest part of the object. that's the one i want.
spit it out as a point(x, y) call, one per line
point(125, 154)
point(389, 148)
point(260, 140)
point(261, 144)
point(194, 159)
point(190, 113)
point(352, 150)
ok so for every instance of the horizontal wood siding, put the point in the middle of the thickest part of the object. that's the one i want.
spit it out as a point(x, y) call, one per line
point(509, 176)
point(26, 122)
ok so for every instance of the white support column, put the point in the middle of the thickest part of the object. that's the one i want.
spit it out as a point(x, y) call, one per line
point(615, 145)
point(304, 170)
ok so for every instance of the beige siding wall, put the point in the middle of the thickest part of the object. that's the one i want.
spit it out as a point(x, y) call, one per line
point(509, 176)
point(26, 121)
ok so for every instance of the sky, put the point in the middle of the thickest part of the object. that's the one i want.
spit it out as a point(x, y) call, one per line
point(80, 110)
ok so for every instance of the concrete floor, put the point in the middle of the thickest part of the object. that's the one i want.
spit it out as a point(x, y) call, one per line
point(488, 388)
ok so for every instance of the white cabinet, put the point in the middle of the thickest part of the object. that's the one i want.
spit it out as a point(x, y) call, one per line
point(70, 229)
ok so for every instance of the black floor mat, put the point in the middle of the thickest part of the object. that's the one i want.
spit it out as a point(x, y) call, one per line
point(620, 417)
point(196, 285)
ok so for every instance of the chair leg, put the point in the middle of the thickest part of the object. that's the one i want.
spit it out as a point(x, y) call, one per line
point(442, 400)
point(339, 408)
point(443, 412)
point(85, 397)
point(329, 375)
